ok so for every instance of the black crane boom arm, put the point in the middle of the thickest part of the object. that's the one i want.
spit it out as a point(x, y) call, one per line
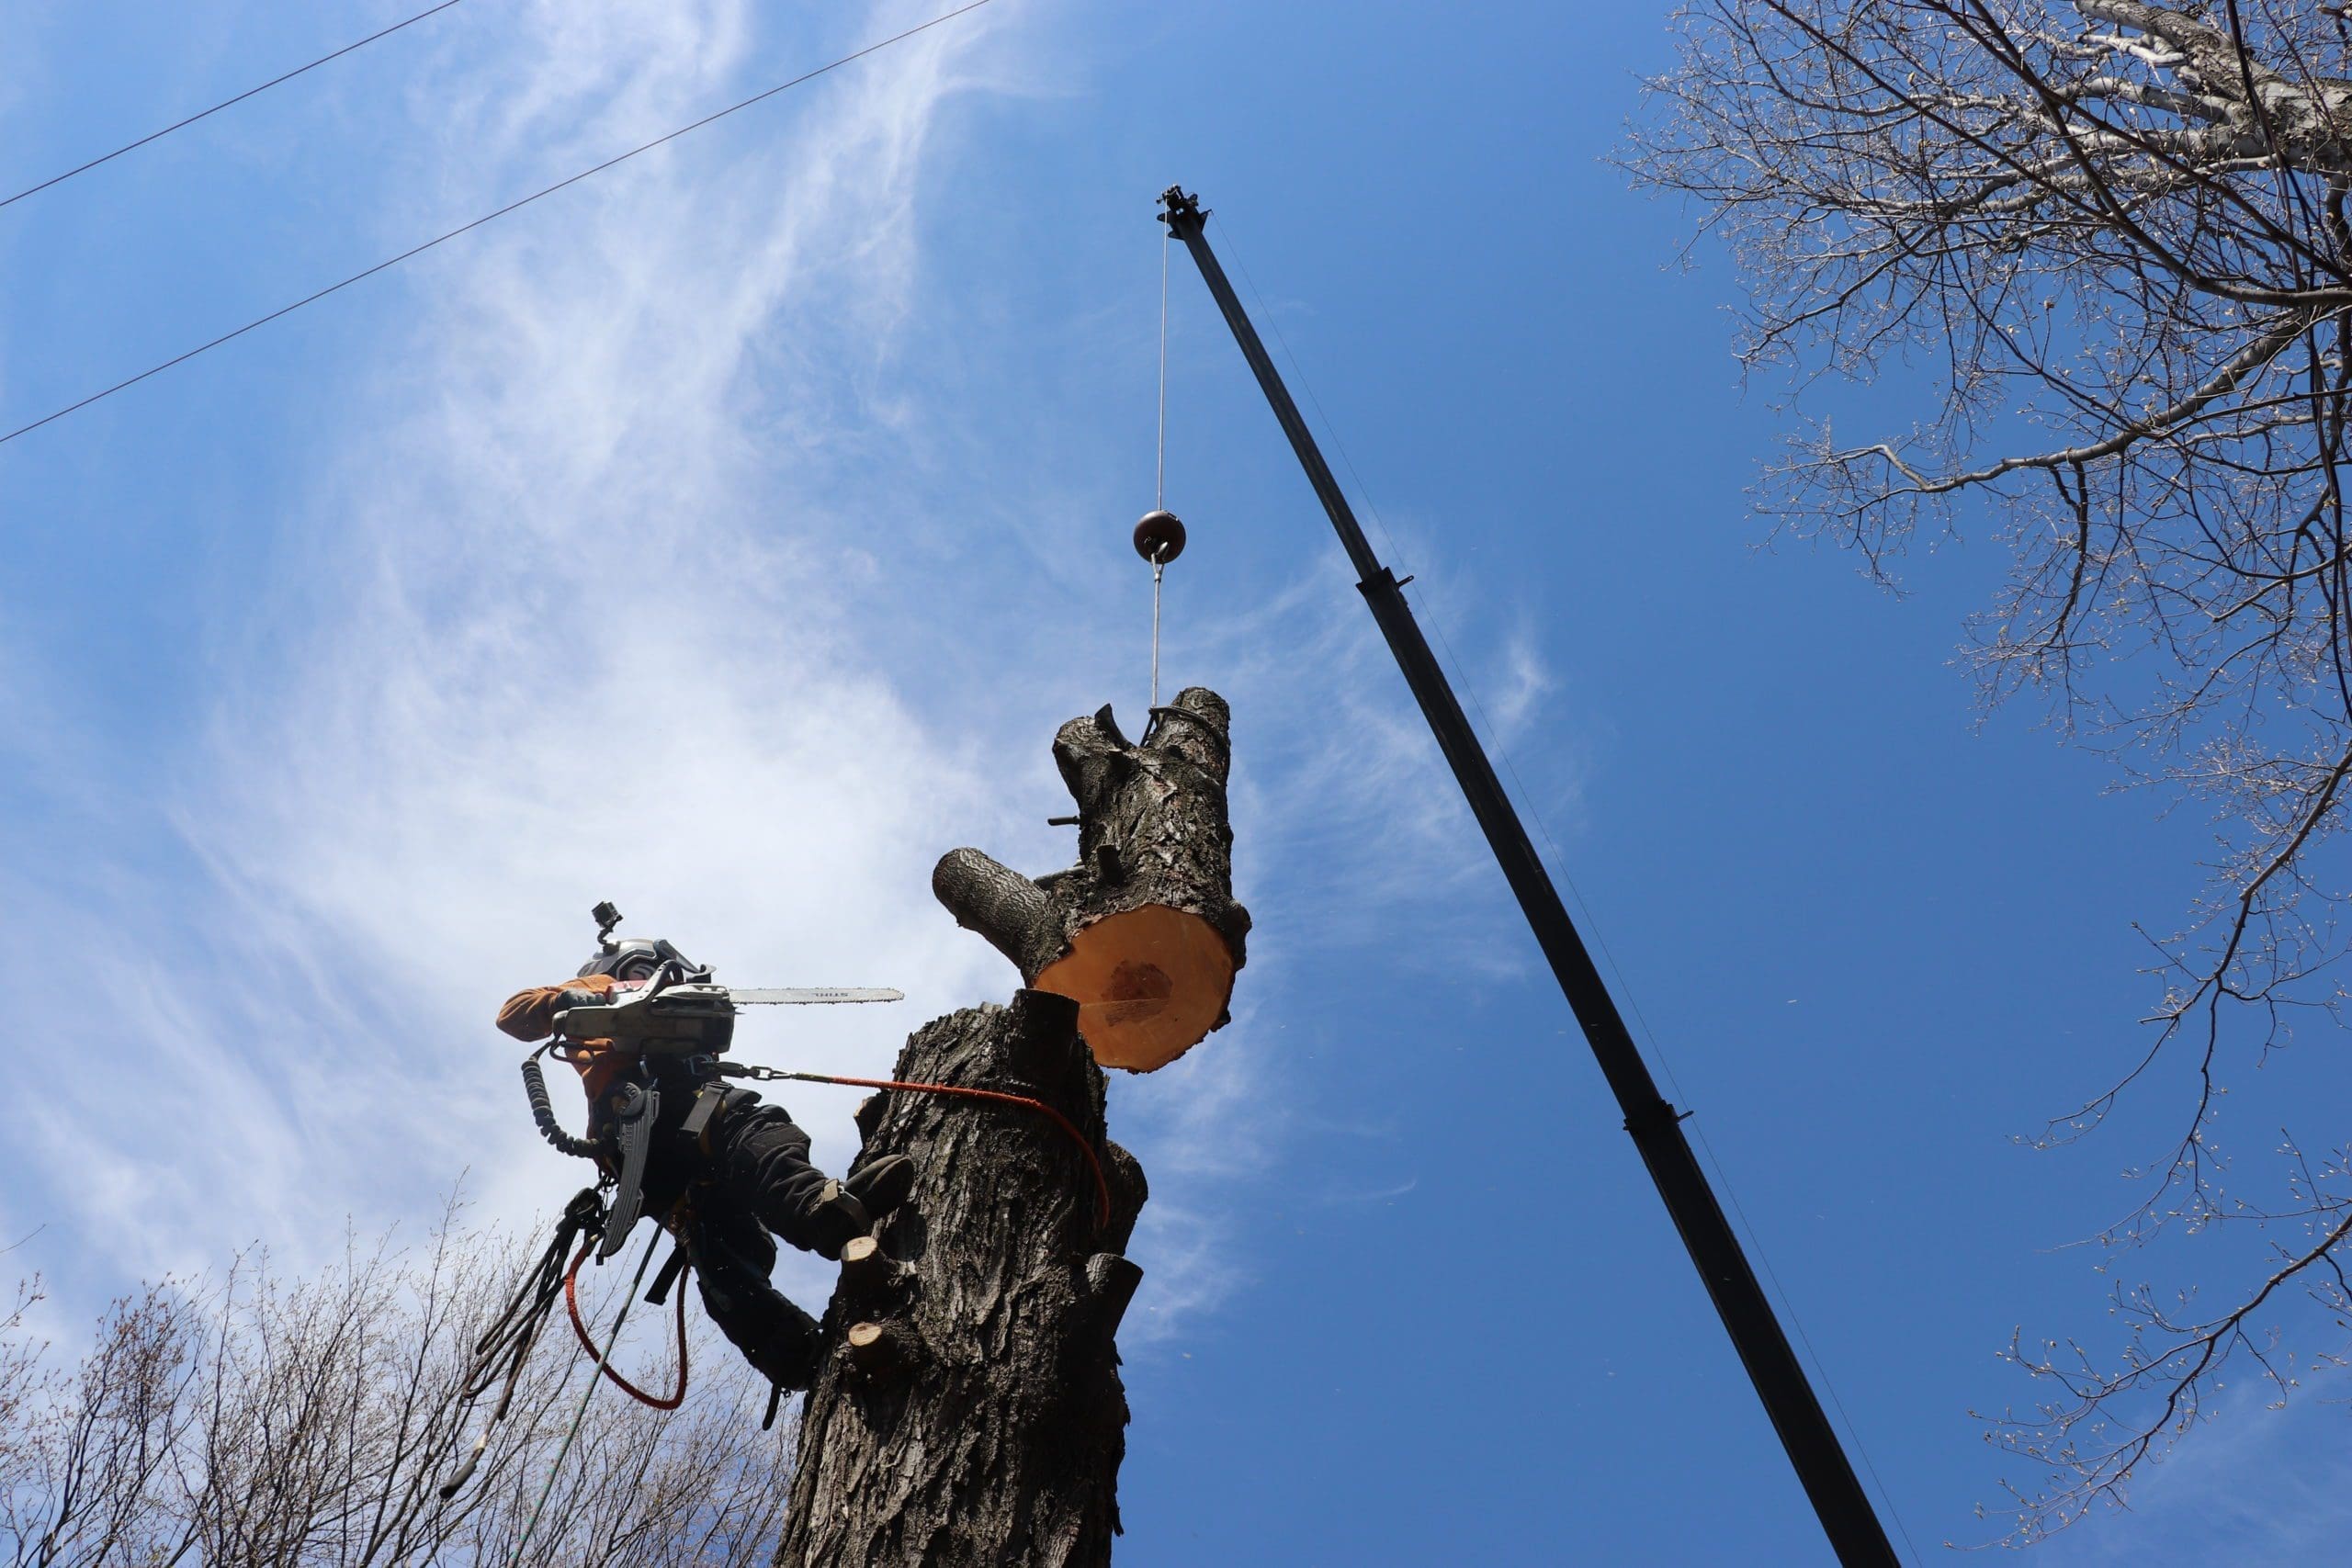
point(1821, 1463)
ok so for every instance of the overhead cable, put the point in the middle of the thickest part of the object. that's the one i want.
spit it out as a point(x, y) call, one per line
point(225, 102)
point(487, 218)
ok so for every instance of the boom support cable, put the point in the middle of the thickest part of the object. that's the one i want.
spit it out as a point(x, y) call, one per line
point(225, 102)
point(489, 216)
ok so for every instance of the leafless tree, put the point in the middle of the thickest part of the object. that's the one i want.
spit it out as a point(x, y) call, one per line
point(2105, 245)
point(311, 1423)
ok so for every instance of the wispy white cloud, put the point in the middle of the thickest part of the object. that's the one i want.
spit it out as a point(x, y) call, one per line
point(2249, 1486)
point(632, 572)
point(543, 637)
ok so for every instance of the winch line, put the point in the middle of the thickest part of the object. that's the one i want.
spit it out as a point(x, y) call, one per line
point(225, 102)
point(1158, 565)
point(1159, 465)
point(488, 218)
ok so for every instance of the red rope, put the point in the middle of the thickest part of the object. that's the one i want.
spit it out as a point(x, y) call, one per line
point(572, 1304)
point(1101, 1184)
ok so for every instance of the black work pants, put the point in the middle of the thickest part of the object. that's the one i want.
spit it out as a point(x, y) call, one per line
point(760, 1155)
point(751, 1175)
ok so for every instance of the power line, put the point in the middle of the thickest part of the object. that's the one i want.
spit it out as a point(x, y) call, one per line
point(225, 102)
point(487, 218)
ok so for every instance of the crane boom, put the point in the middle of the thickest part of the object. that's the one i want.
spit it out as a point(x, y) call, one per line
point(1796, 1414)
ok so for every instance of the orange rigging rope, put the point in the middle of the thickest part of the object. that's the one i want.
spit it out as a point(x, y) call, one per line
point(572, 1305)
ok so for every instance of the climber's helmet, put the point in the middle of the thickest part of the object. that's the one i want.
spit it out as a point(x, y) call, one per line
point(635, 958)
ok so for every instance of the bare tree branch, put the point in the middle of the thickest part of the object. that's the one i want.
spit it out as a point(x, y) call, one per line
point(309, 1424)
point(2117, 231)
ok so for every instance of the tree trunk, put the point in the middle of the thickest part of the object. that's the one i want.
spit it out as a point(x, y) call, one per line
point(970, 1414)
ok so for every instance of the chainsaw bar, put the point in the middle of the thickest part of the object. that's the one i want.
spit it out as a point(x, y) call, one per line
point(693, 1019)
point(783, 995)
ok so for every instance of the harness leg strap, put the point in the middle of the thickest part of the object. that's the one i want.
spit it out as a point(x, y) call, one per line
point(672, 1268)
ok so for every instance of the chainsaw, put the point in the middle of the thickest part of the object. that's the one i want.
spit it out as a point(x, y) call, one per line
point(678, 1010)
point(672, 1008)
point(689, 1017)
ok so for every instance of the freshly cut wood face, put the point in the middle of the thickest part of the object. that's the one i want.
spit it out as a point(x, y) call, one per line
point(1143, 931)
point(1149, 984)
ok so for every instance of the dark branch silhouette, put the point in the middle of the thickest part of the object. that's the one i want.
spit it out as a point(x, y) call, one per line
point(2116, 233)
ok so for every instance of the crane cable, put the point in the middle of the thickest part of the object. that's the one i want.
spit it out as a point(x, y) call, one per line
point(486, 218)
point(1159, 468)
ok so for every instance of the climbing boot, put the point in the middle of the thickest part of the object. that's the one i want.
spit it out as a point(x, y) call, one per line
point(834, 1219)
point(786, 1353)
point(882, 1185)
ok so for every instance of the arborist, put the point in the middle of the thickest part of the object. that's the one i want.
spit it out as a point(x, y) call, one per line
point(716, 1165)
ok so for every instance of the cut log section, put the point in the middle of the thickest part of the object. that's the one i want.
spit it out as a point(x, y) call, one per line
point(1142, 932)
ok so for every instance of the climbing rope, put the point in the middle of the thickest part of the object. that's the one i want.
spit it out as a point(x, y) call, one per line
point(1085, 1145)
point(572, 1305)
point(501, 1350)
point(604, 1359)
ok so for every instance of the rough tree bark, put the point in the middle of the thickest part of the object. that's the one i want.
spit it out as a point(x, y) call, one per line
point(1143, 931)
point(970, 1412)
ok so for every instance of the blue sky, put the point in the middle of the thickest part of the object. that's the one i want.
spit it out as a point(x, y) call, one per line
point(728, 534)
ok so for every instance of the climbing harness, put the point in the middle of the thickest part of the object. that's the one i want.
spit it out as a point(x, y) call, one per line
point(1001, 1097)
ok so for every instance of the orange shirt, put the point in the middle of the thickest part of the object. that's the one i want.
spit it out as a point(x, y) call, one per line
point(530, 1015)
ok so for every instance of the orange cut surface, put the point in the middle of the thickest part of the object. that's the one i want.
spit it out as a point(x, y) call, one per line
point(1149, 983)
